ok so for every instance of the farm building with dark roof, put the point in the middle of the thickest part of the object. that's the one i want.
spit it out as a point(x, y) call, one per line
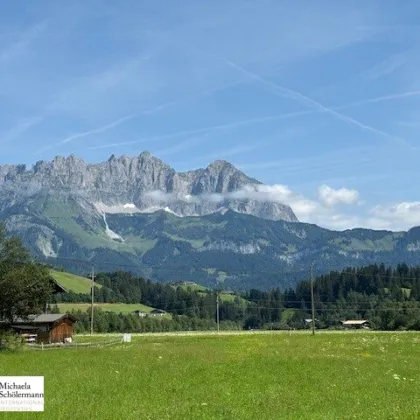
point(44, 328)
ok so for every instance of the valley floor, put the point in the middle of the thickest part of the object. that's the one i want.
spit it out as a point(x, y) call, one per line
point(240, 375)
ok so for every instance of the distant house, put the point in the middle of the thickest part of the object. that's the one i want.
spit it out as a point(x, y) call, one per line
point(157, 312)
point(140, 313)
point(185, 283)
point(44, 328)
point(356, 324)
point(308, 322)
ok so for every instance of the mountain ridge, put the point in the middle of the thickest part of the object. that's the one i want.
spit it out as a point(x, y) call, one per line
point(244, 251)
point(143, 181)
point(222, 236)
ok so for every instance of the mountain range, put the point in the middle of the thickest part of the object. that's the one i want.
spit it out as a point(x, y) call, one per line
point(207, 225)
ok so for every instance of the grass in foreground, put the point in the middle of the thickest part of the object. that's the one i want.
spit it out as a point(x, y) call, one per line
point(271, 376)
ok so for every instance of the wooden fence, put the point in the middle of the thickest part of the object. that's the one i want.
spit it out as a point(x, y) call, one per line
point(73, 345)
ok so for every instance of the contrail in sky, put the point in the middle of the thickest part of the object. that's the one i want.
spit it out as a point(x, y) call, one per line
point(267, 118)
point(299, 97)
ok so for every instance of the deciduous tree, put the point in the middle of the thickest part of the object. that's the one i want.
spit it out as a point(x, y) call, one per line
point(25, 286)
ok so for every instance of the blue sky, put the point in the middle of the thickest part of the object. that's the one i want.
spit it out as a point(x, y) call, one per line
point(322, 97)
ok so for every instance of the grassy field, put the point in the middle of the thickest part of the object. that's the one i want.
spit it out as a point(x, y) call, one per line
point(265, 376)
point(125, 308)
point(194, 287)
point(72, 282)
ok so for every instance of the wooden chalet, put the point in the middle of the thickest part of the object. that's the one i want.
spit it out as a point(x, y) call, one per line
point(44, 328)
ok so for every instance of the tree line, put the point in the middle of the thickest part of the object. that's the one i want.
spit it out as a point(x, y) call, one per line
point(388, 297)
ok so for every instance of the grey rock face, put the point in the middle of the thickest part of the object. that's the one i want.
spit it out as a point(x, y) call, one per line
point(141, 184)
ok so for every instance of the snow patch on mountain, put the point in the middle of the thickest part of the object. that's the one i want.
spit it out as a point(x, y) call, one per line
point(130, 208)
point(116, 208)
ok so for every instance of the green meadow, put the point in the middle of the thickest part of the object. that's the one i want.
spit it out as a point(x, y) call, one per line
point(73, 283)
point(337, 375)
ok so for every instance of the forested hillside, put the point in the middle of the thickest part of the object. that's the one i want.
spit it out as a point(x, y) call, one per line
point(388, 298)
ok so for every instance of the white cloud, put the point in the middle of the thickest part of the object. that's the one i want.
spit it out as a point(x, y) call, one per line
point(302, 206)
point(331, 197)
point(167, 198)
point(275, 193)
point(282, 194)
point(398, 216)
point(322, 212)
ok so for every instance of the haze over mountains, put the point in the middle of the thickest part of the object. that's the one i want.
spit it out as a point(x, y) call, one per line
point(208, 225)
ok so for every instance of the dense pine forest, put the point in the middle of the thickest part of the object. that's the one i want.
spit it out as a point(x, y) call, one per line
point(389, 298)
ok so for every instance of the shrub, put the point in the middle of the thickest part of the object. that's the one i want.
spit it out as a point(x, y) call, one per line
point(10, 341)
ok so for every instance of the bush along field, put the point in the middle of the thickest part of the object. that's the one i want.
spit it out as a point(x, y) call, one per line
point(341, 375)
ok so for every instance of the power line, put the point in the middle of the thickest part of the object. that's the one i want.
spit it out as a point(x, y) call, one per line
point(339, 309)
point(285, 308)
point(251, 304)
point(244, 298)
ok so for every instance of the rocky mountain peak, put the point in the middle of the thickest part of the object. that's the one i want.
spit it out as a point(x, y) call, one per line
point(127, 180)
point(145, 155)
point(225, 167)
point(218, 165)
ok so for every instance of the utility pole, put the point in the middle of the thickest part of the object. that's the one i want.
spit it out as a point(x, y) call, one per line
point(217, 311)
point(93, 295)
point(312, 302)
